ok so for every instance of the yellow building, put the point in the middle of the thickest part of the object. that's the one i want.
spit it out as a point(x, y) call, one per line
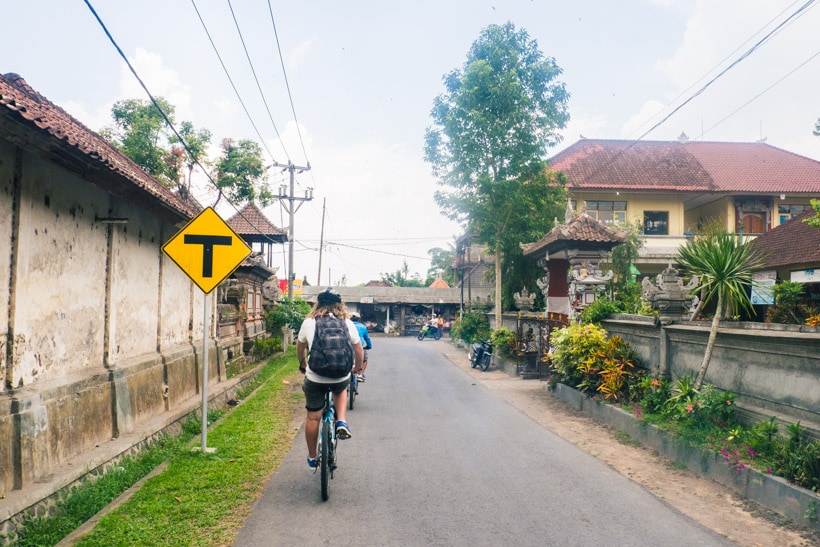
point(675, 189)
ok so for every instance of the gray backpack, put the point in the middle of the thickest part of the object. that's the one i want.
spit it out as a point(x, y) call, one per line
point(331, 354)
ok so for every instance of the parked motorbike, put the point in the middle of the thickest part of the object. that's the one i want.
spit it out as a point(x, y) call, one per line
point(480, 354)
point(432, 332)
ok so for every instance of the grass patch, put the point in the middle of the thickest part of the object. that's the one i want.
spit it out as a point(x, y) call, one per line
point(203, 499)
point(624, 438)
point(200, 499)
point(676, 465)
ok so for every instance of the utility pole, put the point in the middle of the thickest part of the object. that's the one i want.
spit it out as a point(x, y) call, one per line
point(321, 243)
point(286, 199)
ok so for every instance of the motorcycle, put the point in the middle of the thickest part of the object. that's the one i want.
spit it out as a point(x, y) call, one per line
point(480, 354)
point(427, 330)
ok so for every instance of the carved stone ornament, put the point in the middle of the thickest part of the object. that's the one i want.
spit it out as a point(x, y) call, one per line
point(524, 301)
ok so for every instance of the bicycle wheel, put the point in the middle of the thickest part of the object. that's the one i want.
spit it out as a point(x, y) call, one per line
point(352, 390)
point(325, 462)
point(485, 361)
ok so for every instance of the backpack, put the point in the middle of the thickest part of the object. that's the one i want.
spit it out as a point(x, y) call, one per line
point(331, 354)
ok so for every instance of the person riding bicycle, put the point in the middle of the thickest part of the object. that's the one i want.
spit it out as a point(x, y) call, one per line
point(366, 344)
point(328, 303)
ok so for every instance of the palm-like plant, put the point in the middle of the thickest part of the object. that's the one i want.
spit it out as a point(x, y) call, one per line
point(724, 264)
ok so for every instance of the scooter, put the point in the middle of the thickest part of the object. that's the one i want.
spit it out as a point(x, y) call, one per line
point(480, 354)
point(427, 330)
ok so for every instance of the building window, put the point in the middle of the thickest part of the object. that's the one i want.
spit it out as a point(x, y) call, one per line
point(608, 212)
point(786, 211)
point(656, 223)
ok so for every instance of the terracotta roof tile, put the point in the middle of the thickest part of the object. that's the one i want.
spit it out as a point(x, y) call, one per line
point(793, 242)
point(31, 121)
point(687, 167)
point(250, 223)
point(439, 284)
point(583, 229)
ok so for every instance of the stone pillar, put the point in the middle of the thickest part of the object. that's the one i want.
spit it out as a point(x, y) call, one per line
point(30, 445)
point(120, 403)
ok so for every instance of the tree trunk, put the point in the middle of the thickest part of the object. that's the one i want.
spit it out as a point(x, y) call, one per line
point(699, 307)
point(498, 257)
point(710, 344)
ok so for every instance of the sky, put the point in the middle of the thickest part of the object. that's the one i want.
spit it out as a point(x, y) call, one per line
point(348, 86)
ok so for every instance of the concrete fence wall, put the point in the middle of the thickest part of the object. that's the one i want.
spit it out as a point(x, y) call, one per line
point(773, 369)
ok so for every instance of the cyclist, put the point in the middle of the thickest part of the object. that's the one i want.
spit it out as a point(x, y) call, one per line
point(366, 344)
point(328, 302)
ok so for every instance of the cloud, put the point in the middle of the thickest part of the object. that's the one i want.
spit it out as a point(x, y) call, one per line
point(161, 81)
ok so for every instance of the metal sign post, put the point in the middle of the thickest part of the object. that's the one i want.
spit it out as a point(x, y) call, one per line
point(208, 251)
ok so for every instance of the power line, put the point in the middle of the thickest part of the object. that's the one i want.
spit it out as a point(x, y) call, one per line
point(287, 84)
point(731, 66)
point(164, 116)
point(236, 91)
point(256, 79)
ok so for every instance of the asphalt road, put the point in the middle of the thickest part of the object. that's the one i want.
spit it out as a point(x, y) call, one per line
point(436, 459)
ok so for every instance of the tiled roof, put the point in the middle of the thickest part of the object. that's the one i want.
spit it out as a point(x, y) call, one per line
point(251, 224)
point(32, 122)
point(695, 166)
point(439, 284)
point(793, 242)
point(583, 229)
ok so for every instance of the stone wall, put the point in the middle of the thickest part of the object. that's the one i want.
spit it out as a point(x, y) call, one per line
point(99, 331)
point(773, 369)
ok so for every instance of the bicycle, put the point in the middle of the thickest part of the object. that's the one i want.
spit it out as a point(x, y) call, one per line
point(352, 389)
point(327, 445)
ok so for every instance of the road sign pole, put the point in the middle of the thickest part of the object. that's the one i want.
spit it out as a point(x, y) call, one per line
point(206, 329)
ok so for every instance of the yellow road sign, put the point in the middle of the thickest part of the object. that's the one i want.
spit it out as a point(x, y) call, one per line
point(207, 250)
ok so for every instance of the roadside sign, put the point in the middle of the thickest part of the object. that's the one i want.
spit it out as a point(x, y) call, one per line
point(207, 250)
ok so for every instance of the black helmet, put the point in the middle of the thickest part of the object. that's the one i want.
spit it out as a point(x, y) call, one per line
point(329, 296)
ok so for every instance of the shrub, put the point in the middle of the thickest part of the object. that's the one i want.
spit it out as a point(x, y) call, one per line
point(504, 341)
point(606, 370)
point(287, 313)
point(574, 345)
point(600, 309)
point(265, 347)
point(472, 327)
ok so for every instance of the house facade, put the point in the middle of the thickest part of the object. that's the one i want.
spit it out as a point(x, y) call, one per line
point(676, 189)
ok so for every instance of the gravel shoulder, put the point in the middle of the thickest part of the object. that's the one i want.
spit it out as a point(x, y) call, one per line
point(705, 501)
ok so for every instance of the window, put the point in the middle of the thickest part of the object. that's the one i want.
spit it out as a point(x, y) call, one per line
point(656, 223)
point(786, 211)
point(608, 212)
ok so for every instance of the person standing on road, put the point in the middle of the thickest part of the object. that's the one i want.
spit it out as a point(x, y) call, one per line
point(366, 344)
point(328, 303)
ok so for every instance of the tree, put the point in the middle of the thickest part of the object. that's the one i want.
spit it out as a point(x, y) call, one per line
point(401, 278)
point(441, 262)
point(491, 130)
point(197, 141)
point(139, 132)
point(724, 264)
point(240, 173)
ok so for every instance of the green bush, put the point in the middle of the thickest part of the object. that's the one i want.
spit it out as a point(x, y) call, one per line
point(573, 347)
point(287, 313)
point(472, 327)
point(504, 341)
point(266, 347)
point(600, 309)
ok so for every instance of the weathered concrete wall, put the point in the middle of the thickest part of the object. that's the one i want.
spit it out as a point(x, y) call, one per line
point(106, 332)
point(774, 371)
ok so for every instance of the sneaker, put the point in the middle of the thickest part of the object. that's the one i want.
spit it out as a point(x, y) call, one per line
point(313, 463)
point(360, 377)
point(342, 430)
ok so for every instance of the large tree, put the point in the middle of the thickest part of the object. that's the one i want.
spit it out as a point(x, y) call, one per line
point(487, 146)
point(724, 264)
point(240, 173)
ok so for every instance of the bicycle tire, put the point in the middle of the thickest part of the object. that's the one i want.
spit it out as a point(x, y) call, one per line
point(352, 390)
point(325, 460)
point(485, 361)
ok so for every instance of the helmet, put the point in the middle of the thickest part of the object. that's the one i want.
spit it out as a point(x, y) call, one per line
point(329, 296)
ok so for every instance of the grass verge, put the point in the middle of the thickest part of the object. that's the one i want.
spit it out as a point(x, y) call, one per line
point(203, 498)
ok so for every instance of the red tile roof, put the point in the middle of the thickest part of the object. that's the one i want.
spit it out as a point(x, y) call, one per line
point(250, 223)
point(439, 284)
point(793, 242)
point(596, 164)
point(581, 230)
point(32, 122)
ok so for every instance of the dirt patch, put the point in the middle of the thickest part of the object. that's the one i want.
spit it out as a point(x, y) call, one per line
point(705, 501)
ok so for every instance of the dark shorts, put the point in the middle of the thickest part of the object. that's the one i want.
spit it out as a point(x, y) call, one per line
point(315, 393)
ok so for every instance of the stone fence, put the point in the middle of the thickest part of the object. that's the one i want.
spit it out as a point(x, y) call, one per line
point(774, 370)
